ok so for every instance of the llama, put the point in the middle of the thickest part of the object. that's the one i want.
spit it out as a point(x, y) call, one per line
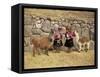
point(41, 43)
point(81, 43)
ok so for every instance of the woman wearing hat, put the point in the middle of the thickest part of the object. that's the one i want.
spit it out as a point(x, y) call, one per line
point(57, 39)
point(69, 35)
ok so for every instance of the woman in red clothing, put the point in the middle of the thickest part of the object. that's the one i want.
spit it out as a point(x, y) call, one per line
point(57, 39)
point(69, 35)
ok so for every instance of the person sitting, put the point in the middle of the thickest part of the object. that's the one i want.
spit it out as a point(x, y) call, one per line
point(69, 35)
point(57, 39)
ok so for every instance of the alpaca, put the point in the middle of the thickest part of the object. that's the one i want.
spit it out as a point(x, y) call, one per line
point(84, 44)
point(81, 43)
point(41, 43)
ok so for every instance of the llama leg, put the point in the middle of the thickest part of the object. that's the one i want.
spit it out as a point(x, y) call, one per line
point(86, 47)
point(34, 52)
point(80, 47)
point(46, 52)
point(38, 51)
point(77, 46)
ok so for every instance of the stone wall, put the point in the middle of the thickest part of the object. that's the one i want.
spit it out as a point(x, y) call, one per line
point(39, 26)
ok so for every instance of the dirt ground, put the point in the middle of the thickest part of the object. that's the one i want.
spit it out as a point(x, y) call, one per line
point(61, 59)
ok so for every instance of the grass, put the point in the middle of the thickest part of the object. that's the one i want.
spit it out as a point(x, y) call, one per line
point(61, 59)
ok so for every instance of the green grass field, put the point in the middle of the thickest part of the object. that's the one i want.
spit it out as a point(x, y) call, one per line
point(61, 59)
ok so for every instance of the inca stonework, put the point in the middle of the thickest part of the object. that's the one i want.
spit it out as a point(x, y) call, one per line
point(40, 22)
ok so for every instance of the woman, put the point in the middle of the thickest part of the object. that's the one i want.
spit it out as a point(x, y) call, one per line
point(57, 39)
point(69, 38)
